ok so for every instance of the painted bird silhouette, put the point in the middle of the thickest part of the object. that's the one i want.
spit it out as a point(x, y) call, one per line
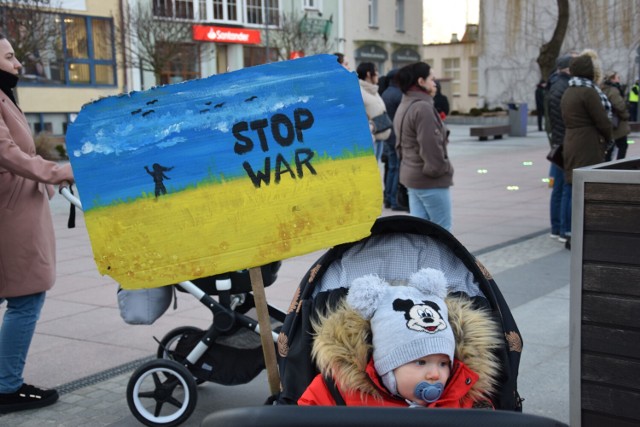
point(207, 103)
point(250, 98)
point(152, 102)
point(218, 105)
point(146, 113)
point(136, 111)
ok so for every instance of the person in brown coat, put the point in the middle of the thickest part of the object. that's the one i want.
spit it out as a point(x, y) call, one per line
point(27, 245)
point(611, 88)
point(586, 112)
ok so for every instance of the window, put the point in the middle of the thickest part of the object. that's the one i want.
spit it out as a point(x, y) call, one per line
point(373, 13)
point(451, 69)
point(63, 49)
point(473, 76)
point(225, 10)
point(312, 5)
point(182, 9)
point(400, 15)
point(51, 123)
point(186, 65)
point(261, 11)
point(255, 55)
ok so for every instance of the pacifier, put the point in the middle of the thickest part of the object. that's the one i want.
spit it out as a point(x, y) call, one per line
point(429, 392)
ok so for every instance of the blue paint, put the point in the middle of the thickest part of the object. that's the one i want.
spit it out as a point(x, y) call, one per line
point(188, 126)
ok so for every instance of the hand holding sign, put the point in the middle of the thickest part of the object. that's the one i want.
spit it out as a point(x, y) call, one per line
point(225, 173)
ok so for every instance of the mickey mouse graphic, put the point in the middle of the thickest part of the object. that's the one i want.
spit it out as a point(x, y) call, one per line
point(423, 317)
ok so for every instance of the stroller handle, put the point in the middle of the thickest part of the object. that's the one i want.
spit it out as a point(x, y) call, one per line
point(66, 193)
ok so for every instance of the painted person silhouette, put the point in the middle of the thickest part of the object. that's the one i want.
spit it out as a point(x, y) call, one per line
point(158, 175)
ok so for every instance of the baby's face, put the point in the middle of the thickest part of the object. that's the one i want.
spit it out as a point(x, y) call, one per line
point(434, 368)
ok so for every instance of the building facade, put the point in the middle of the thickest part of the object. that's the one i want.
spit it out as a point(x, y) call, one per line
point(385, 32)
point(73, 61)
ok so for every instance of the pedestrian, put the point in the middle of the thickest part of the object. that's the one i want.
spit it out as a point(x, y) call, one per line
point(342, 60)
point(373, 103)
point(422, 138)
point(397, 346)
point(586, 112)
point(392, 97)
point(634, 92)
point(540, 92)
point(27, 246)
point(620, 120)
point(559, 209)
point(441, 102)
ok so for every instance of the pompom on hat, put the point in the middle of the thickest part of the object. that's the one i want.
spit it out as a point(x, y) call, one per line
point(407, 322)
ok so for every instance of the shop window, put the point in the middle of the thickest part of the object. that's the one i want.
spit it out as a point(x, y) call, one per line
point(51, 123)
point(315, 5)
point(185, 66)
point(254, 55)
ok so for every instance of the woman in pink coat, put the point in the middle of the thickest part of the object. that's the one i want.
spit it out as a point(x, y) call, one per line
point(27, 245)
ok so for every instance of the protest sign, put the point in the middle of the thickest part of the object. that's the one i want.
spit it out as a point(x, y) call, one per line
point(224, 173)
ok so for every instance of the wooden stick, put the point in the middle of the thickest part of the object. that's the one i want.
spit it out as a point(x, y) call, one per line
point(264, 321)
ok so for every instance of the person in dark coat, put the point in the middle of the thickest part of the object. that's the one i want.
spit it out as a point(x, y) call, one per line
point(392, 97)
point(611, 88)
point(540, 90)
point(586, 112)
point(559, 209)
point(441, 102)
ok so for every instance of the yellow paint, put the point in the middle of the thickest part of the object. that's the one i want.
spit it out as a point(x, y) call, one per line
point(150, 242)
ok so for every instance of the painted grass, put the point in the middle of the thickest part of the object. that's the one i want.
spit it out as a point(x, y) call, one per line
point(228, 226)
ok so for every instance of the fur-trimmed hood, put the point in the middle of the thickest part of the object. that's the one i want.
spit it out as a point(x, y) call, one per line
point(587, 65)
point(342, 347)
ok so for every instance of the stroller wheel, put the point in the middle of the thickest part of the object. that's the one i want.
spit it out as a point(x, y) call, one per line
point(170, 340)
point(168, 343)
point(162, 393)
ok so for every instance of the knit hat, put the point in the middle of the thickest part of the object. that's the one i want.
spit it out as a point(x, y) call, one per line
point(407, 322)
point(563, 61)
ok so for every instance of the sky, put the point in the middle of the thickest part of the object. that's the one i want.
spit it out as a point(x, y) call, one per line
point(441, 18)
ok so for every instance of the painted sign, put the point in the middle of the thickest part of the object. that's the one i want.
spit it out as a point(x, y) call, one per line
point(210, 33)
point(224, 173)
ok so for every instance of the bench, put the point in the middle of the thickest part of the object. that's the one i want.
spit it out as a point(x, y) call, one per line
point(634, 126)
point(484, 132)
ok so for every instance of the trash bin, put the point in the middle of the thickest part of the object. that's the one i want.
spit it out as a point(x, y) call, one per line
point(518, 119)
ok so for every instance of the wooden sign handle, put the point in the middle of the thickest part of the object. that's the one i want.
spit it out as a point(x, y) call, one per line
point(264, 321)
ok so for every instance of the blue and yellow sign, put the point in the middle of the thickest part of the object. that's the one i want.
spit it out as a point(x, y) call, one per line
point(224, 173)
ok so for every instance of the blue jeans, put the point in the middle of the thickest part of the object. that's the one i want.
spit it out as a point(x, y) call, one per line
point(555, 205)
point(18, 327)
point(391, 179)
point(433, 204)
point(377, 149)
point(566, 209)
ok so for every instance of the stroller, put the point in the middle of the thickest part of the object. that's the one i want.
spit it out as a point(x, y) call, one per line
point(397, 247)
point(163, 391)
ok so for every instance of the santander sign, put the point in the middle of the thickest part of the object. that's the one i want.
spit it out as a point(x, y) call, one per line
point(211, 33)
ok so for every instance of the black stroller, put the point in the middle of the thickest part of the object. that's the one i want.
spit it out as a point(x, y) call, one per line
point(397, 247)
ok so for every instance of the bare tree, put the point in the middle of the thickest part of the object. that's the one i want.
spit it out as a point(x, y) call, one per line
point(302, 34)
point(32, 29)
point(151, 43)
point(551, 50)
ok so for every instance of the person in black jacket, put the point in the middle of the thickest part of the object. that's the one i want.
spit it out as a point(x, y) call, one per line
point(560, 198)
point(392, 97)
point(540, 92)
point(441, 102)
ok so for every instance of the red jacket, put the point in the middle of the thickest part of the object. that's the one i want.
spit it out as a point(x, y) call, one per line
point(454, 395)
